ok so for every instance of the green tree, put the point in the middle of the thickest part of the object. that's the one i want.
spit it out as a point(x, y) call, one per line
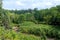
point(4, 21)
point(21, 18)
point(1, 12)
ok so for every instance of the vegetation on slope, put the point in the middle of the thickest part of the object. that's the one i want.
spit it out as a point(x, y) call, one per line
point(30, 24)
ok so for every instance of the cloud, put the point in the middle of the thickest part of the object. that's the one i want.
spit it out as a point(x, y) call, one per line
point(19, 3)
point(26, 4)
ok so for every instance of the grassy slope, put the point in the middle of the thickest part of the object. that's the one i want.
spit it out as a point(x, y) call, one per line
point(40, 29)
point(28, 28)
point(11, 35)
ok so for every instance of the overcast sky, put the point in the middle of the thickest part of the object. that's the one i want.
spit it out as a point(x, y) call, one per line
point(29, 4)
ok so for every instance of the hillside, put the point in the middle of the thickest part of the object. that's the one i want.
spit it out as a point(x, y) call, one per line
point(30, 24)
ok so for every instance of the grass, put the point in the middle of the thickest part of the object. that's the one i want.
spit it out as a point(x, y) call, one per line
point(11, 35)
point(40, 29)
point(31, 31)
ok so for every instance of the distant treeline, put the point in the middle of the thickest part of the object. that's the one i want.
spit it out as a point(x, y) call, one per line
point(46, 16)
point(49, 16)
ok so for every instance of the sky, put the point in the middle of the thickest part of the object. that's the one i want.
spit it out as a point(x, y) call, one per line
point(29, 4)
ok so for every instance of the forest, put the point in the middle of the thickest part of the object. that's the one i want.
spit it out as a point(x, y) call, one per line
point(30, 24)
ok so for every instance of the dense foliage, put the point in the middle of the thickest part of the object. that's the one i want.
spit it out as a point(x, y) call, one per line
point(31, 24)
point(30, 31)
point(47, 16)
point(4, 20)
